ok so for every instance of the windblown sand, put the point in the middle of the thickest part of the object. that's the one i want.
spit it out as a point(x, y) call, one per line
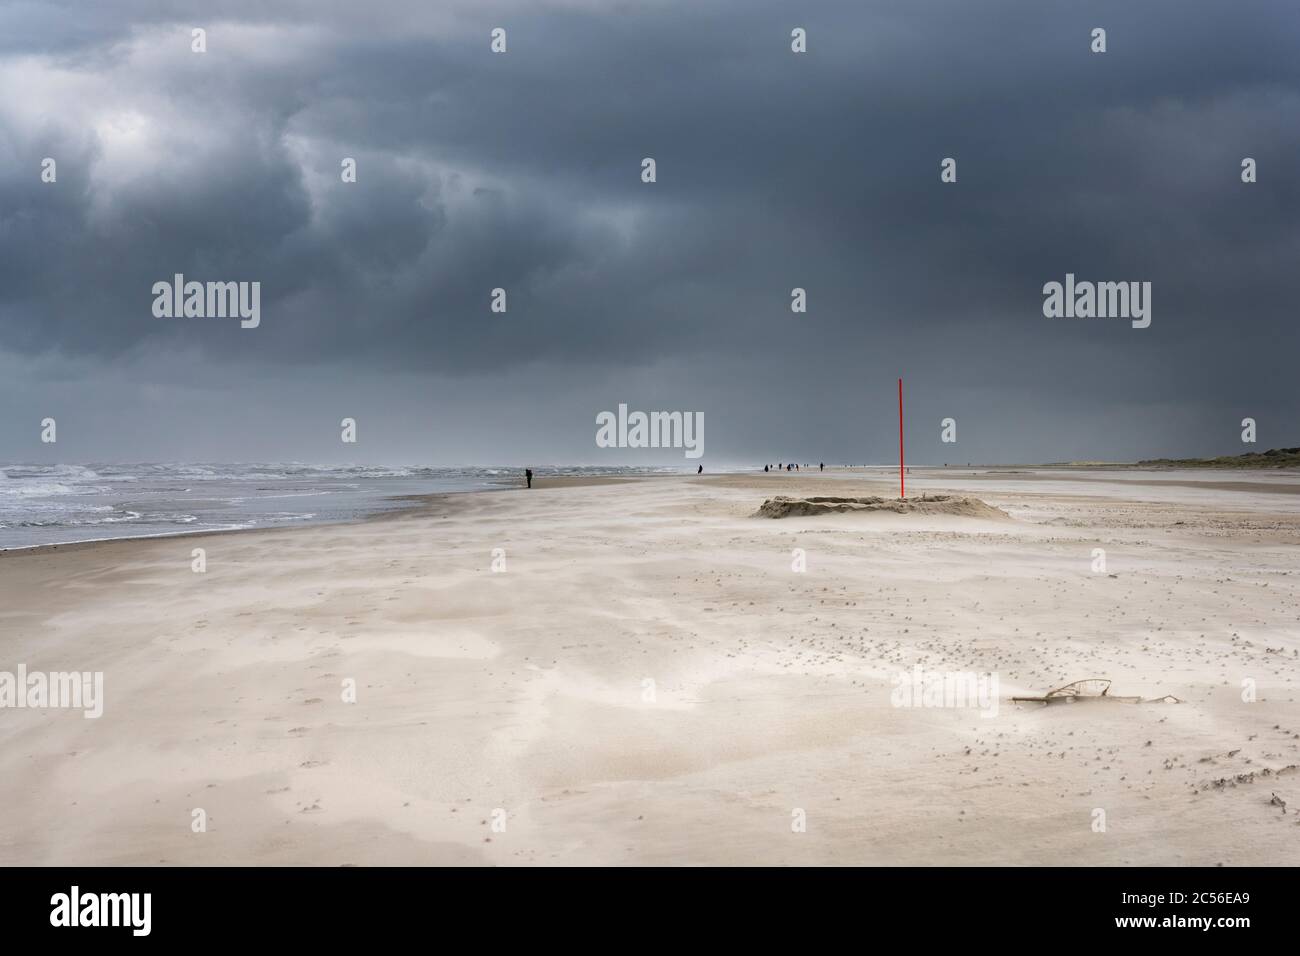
point(648, 681)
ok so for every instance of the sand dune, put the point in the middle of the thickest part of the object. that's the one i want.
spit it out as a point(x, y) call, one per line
point(785, 507)
point(647, 679)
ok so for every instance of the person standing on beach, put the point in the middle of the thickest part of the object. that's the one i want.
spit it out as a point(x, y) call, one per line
point(528, 476)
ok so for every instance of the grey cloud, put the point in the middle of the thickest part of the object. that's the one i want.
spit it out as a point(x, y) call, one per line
point(775, 170)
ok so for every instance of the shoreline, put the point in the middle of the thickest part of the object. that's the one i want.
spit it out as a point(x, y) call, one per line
point(878, 473)
point(539, 483)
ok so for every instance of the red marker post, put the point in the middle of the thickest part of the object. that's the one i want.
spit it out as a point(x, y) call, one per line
point(902, 485)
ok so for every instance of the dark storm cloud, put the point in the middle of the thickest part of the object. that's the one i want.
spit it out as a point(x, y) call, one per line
point(775, 170)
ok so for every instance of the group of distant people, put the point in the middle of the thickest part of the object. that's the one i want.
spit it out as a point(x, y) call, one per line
point(782, 466)
point(767, 469)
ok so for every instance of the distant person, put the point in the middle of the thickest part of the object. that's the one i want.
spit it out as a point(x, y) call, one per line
point(765, 469)
point(528, 476)
point(700, 471)
point(822, 466)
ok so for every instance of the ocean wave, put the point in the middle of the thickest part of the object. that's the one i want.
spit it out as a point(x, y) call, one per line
point(73, 521)
point(47, 489)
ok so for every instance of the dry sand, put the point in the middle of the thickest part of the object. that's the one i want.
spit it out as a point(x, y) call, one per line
point(525, 691)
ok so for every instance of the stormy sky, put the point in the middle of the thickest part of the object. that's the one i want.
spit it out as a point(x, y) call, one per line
point(522, 170)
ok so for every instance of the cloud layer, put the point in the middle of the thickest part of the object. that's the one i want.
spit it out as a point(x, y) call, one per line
point(522, 171)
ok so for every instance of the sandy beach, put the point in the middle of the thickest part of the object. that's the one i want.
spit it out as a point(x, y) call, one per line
point(645, 679)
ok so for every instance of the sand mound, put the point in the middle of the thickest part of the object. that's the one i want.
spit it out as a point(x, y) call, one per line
point(782, 507)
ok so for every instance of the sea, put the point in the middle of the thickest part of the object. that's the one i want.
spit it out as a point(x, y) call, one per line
point(59, 504)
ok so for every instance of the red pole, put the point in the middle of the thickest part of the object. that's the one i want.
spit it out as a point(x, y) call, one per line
point(902, 485)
